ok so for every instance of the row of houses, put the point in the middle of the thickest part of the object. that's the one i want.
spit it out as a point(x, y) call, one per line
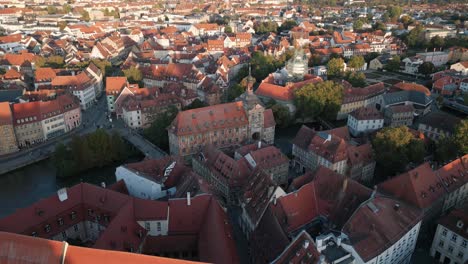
point(29, 123)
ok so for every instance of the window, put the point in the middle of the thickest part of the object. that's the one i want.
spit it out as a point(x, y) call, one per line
point(75, 227)
point(450, 249)
point(73, 215)
point(106, 218)
point(441, 243)
point(47, 228)
point(464, 243)
point(460, 254)
point(444, 232)
point(158, 226)
point(64, 235)
point(454, 238)
point(60, 221)
point(90, 212)
point(147, 226)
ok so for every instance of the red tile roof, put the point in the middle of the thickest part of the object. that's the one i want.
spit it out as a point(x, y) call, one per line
point(203, 218)
point(360, 94)
point(372, 231)
point(19, 59)
point(26, 249)
point(412, 87)
point(419, 187)
point(367, 113)
point(12, 74)
point(44, 74)
point(114, 85)
point(301, 250)
point(269, 89)
point(201, 120)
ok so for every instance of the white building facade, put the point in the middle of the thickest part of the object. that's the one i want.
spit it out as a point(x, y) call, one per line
point(449, 246)
point(141, 186)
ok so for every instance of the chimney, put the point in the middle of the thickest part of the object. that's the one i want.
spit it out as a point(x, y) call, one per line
point(259, 144)
point(188, 199)
point(338, 241)
point(306, 244)
point(345, 185)
point(322, 259)
point(62, 194)
point(374, 192)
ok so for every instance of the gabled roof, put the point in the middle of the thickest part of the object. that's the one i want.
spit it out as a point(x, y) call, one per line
point(209, 118)
point(419, 187)
point(379, 223)
point(302, 249)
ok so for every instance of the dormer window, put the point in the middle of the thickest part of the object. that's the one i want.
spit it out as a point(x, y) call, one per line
point(90, 212)
point(60, 221)
point(73, 215)
point(34, 234)
point(460, 224)
point(47, 228)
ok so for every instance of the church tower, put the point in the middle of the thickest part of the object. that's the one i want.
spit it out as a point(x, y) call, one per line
point(254, 109)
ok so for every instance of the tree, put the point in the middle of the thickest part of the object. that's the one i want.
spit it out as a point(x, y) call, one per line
point(320, 99)
point(393, 64)
point(446, 149)
point(62, 25)
point(356, 79)
point(426, 68)
point(234, 91)
point(370, 56)
point(415, 38)
point(395, 148)
point(287, 25)
point(104, 65)
point(281, 114)
point(335, 68)
point(386, 17)
point(228, 29)
point(51, 10)
point(356, 62)
point(66, 8)
point(461, 137)
point(437, 42)
point(55, 62)
point(406, 20)
point(197, 103)
point(157, 132)
point(134, 75)
point(85, 16)
point(358, 24)
point(92, 150)
point(394, 12)
point(265, 27)
point(39, 61)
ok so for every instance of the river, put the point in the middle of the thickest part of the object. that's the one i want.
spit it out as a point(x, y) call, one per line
point(27, 185)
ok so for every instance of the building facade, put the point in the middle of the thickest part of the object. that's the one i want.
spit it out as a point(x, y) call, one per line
point(221, 125)
point(450, 244)
point(365, 120)
point(8, 143)
point(399, 115)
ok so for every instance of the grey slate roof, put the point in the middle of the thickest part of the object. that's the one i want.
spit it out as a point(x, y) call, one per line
point(403, 96)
